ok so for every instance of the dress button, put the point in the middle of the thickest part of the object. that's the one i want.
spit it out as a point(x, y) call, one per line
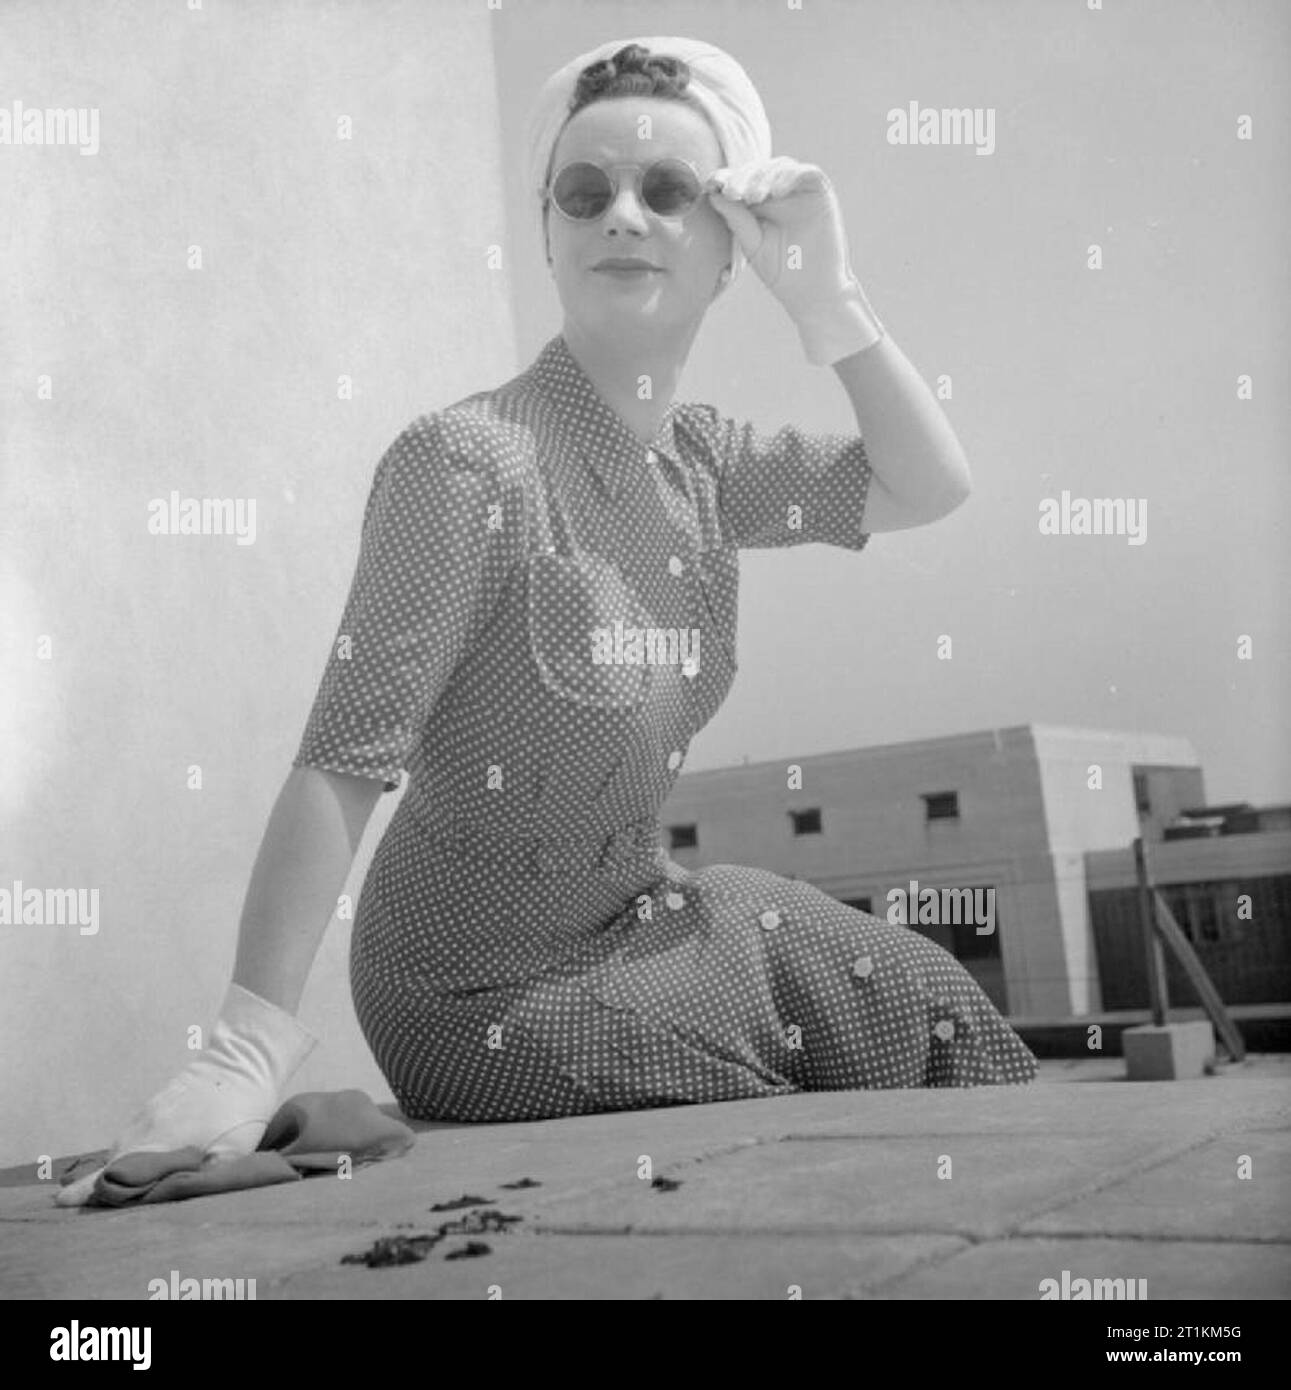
point(651, 456)
point(675, 566)
point(674, 760)
point(675, 901)
point(863, 967)
point(944, 1029)
point(770, 919)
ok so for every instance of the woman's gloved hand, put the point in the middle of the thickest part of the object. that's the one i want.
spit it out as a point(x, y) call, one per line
point(223, 1100)
point(776, 204)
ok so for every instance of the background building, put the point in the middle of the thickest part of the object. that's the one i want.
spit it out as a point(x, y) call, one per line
point(1225, 872)
point(1015, 809)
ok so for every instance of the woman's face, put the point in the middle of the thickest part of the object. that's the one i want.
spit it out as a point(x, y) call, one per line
point(688, 253)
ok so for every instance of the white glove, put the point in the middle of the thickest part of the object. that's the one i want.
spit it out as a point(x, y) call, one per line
point(775, 204)
point(222, 1102)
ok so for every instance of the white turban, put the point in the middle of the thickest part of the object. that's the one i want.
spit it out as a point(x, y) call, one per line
point(718, 84)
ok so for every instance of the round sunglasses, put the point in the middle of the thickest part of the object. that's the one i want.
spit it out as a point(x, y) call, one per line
point(582, 191)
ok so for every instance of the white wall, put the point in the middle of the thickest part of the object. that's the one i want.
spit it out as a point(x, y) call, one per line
point(1082, 817)
point(320, 257)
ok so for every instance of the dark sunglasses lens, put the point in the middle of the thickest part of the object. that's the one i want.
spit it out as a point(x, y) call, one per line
point(670, 188)
point(582, 191)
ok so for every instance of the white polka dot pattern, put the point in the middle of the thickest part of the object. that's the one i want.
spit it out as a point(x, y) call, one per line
point(524, 946)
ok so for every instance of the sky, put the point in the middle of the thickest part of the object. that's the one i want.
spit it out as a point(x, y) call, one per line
point(1118, 128)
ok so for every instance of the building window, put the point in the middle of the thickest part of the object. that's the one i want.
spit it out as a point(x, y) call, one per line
point(972, 944)
point(1206, 918)
point(1142, 796)
point(1196, 909)
point(683, 836)
point(805, 822)
point(942, 805)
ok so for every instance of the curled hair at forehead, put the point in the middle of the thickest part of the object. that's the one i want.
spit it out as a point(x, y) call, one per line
point(631, 72)
point(690, 71)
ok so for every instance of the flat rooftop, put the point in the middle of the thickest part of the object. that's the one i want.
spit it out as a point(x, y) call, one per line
point(835, 1192)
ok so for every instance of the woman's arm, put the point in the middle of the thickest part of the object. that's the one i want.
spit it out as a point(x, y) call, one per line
point(222, 1101)
point(920, 473)
point(304, 859)
point(786, 217)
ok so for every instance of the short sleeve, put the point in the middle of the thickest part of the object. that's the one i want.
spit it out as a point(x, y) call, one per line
point(440, 535)
point(790, 487)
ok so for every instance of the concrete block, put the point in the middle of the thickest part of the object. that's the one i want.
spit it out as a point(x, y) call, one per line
point(1174, 1052)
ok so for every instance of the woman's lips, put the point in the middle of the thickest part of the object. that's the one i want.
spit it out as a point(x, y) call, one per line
point(626, 268)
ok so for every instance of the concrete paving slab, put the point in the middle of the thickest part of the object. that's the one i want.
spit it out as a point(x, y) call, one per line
point(632, 1267)
point(962, 1183)
point(1200, 1193)
point(1013, 1269)
point(122, 1254)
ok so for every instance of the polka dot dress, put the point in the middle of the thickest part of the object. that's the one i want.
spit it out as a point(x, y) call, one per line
point(542, 617)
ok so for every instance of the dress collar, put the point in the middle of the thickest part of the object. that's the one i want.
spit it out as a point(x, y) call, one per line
point(589, 427)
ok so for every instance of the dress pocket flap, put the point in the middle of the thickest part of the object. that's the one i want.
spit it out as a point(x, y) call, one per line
point(577, 604)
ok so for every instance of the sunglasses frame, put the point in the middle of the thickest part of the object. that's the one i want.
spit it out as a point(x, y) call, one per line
point(613, 173)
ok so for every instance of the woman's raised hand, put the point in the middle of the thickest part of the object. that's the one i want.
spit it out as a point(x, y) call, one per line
point(786, 218)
